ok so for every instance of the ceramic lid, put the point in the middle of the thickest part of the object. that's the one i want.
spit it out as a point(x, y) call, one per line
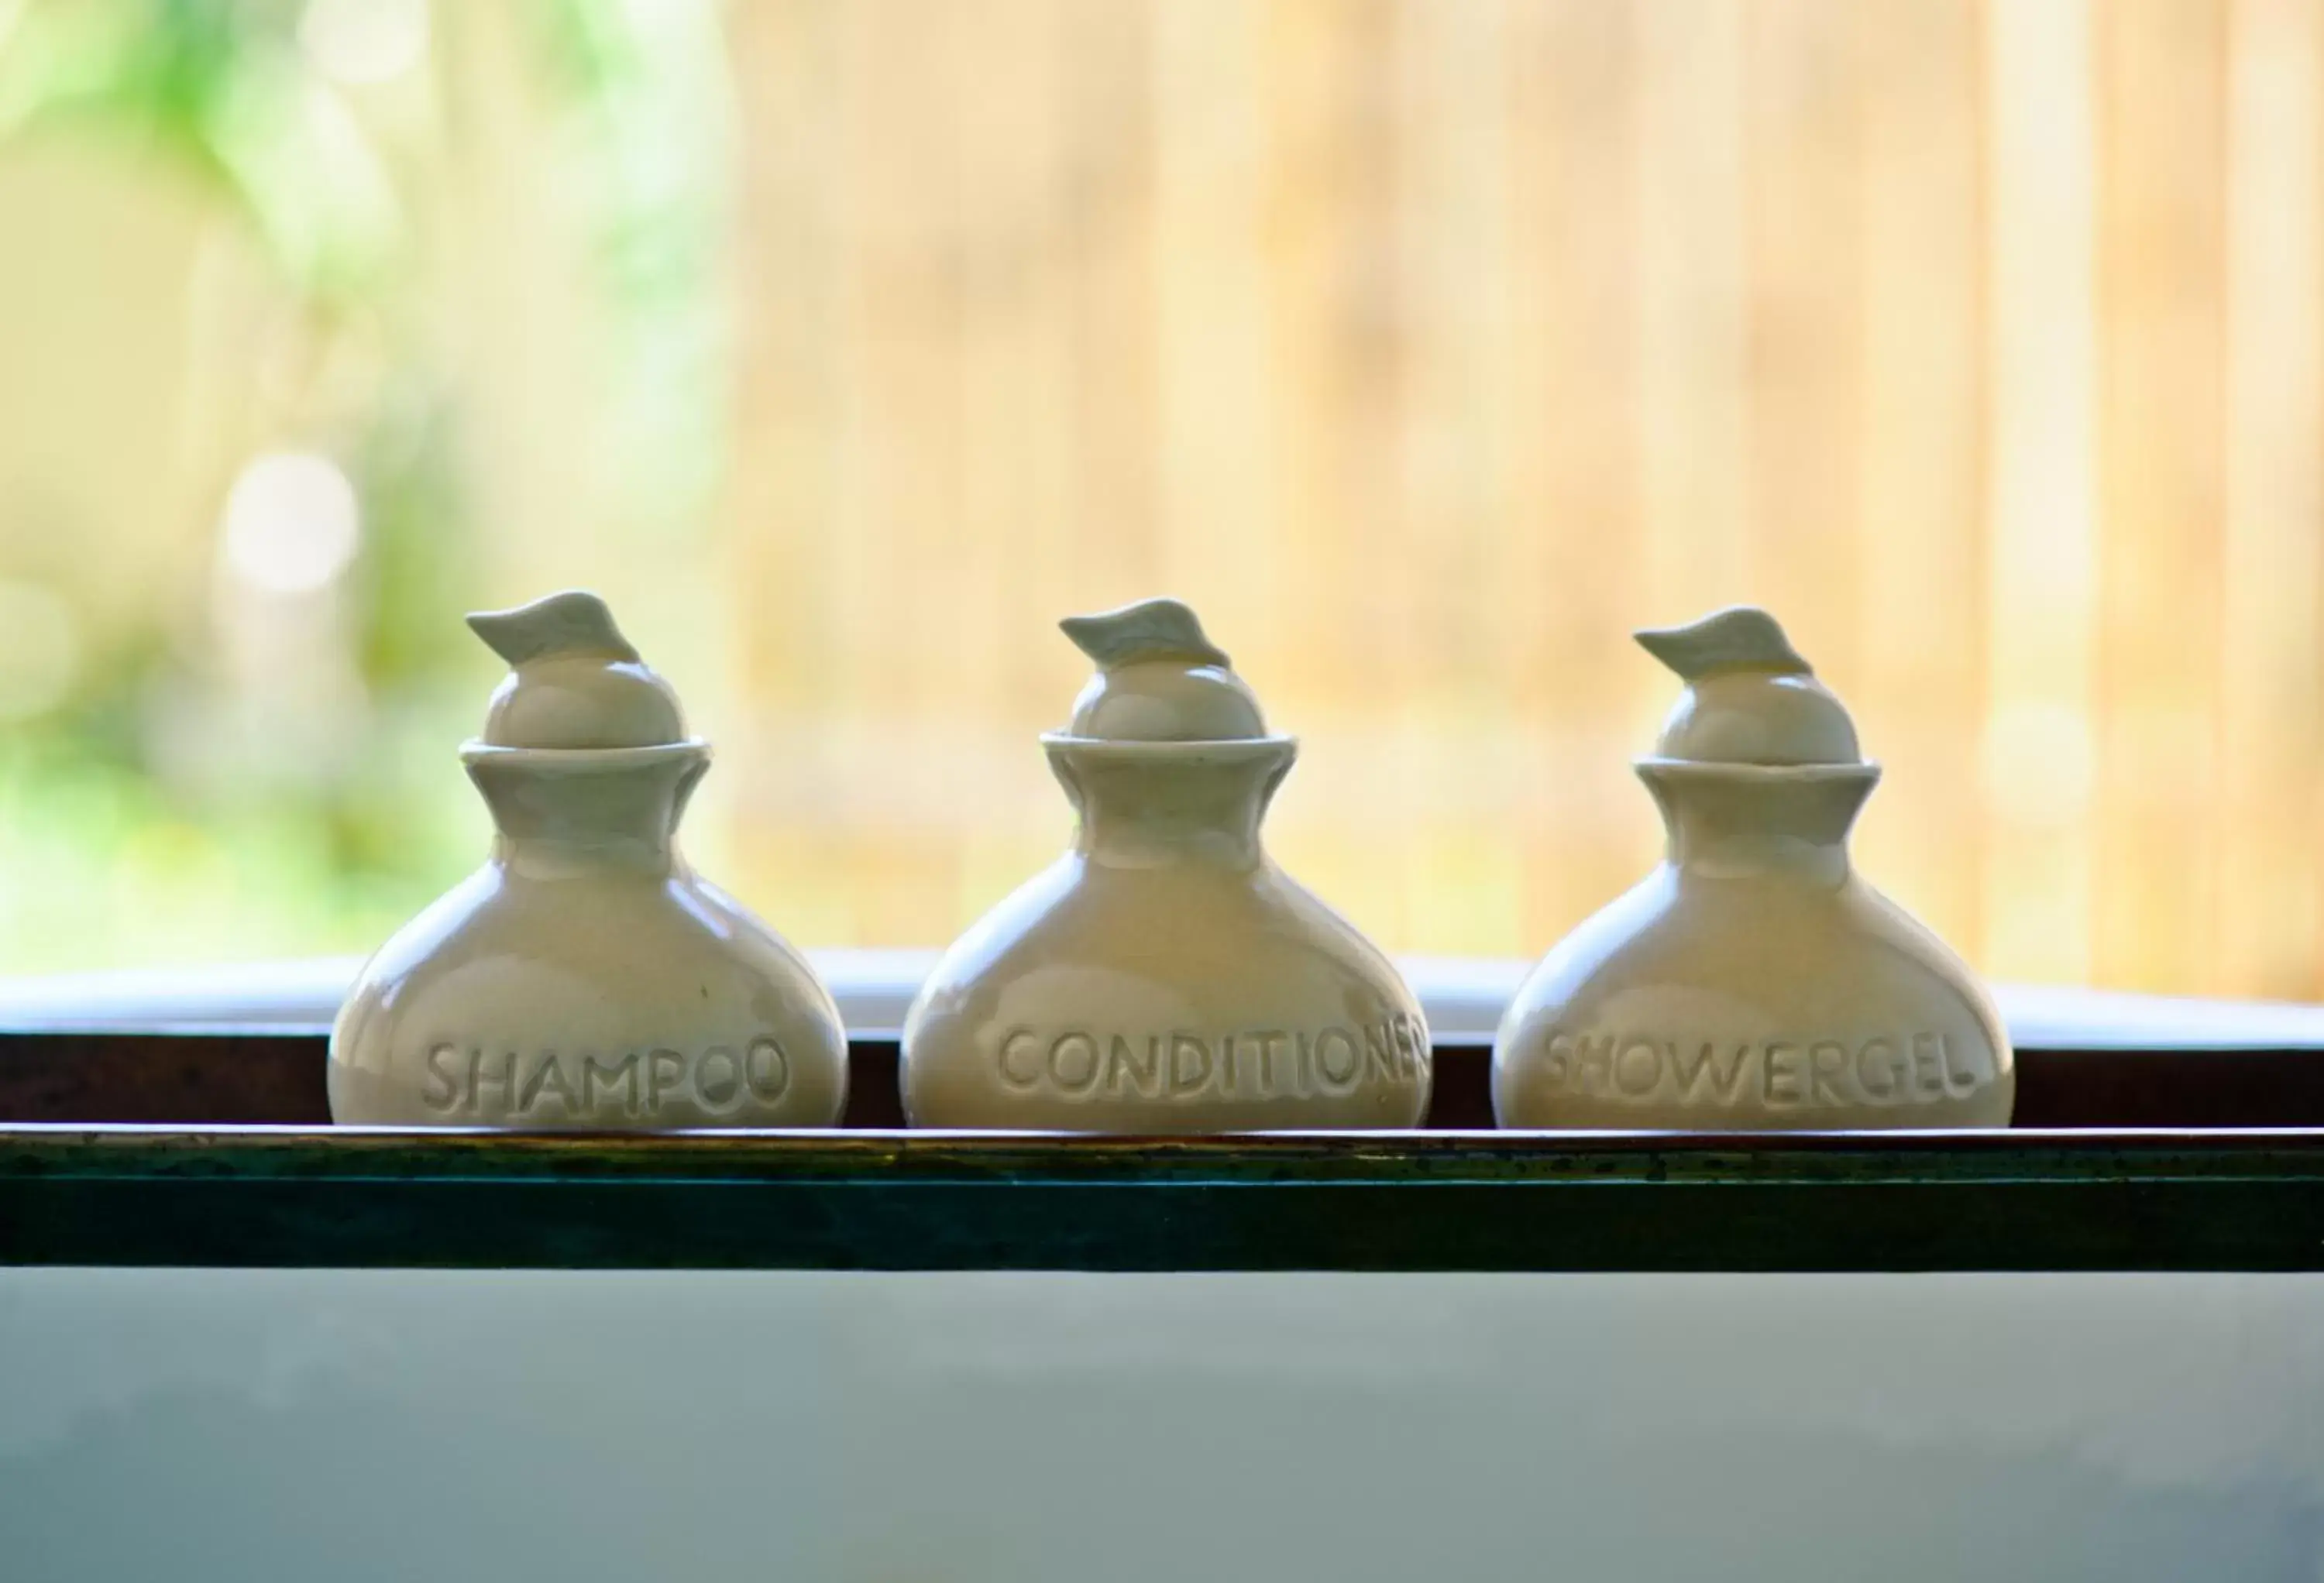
point(573, 681)
point(1159, 679)
point(1750, 698)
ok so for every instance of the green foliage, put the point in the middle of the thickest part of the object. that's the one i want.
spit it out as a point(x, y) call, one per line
point(115, 854)
point(218, 88)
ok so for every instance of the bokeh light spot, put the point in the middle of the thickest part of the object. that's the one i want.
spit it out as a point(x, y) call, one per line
point(291, 524)
point(365, 41)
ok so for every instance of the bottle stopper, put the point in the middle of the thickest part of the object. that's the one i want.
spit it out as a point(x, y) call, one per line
point(573, 681)
point(1750, 698)
point(1158, 680)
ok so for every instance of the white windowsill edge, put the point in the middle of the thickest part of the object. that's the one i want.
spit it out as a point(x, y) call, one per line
point(1463, 997)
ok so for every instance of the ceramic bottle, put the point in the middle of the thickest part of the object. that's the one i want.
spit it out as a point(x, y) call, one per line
point(586, 977)
point(1164, 975)
point(1754, 979)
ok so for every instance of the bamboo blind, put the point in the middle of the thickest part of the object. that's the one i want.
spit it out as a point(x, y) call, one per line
point(1428, 346)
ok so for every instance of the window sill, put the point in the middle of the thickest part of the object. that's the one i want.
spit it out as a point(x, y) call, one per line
point(1463, 997)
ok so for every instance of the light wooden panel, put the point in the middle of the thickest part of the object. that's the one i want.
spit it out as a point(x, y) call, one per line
point(1453, 105)
point(2271, 740)
point(1431, 345)
point(1335, 398)
point(1694, 345)
point(1571, 582)
point(785, 480)
point(2159, 67)
point(2040, 333)
point(1920, 607)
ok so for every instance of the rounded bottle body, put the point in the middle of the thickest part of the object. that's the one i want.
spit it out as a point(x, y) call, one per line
point(624, 1000)
point(1711, 1003)
point(1181, 998)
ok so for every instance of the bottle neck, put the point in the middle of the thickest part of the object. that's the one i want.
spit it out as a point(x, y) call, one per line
point(1738, 821)
point(1148, 805)
point(567, 813)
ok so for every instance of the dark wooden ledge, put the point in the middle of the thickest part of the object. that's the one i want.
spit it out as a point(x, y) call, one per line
point(207, 1076)
point(212, 1148)
point(888, 1200)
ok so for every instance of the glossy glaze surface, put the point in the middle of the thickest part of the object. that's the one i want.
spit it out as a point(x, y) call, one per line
point(1164, 975)
point(1753, 980)
point(586, 976)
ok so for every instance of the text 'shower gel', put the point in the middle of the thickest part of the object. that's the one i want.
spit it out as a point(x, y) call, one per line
point(1163, 976)
point(1753, 980)
point(586, 977)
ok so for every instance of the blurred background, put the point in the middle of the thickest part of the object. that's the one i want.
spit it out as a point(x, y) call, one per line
point(1427, 347)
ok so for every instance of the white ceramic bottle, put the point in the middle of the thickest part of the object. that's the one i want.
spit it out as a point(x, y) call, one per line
point(1163, 976)
point(1754, 979)
point(586, 977)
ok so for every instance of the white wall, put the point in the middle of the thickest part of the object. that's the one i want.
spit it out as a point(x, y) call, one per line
point(1114, 1429)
